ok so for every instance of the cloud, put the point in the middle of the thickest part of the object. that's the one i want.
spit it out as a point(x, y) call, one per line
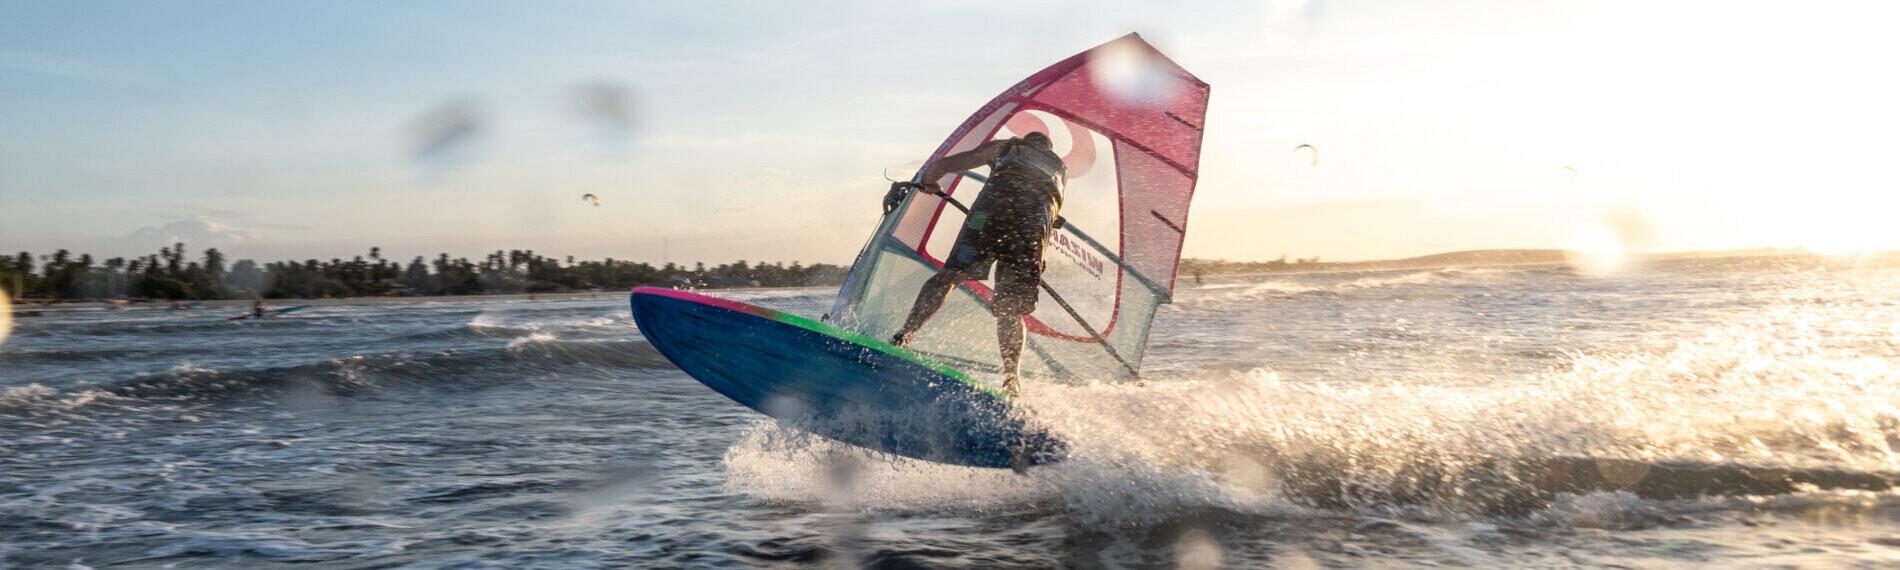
point(195, 233)
point(209, 216)
point(62, 68)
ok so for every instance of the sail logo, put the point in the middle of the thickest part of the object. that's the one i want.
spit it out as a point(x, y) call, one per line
point(1079, 254)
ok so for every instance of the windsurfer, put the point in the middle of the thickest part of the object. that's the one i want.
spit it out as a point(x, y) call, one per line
point(1008, 226)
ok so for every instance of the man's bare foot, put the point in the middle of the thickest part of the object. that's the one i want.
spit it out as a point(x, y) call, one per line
point(1009, 385)
point(901, 340)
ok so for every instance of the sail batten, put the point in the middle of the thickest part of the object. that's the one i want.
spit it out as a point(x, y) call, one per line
point(1127, 122)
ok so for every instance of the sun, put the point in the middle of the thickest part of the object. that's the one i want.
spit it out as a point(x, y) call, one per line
point(1836, 242)
point(1596, 250)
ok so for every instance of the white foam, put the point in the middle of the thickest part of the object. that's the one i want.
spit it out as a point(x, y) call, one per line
point(532, 338)
point(1763, 388)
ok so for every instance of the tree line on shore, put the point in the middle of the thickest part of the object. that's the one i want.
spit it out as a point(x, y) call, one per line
point(170, 275)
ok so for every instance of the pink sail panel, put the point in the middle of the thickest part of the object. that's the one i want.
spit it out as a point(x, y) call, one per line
point(1149, 106)
point(1127, 123)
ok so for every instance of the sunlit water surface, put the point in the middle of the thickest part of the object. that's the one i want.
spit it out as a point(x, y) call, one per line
point(1287, 421)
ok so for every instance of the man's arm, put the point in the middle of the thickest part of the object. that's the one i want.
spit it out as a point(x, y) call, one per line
point(979, 156)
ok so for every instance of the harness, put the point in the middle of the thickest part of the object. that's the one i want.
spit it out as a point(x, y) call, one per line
point(1040, 167)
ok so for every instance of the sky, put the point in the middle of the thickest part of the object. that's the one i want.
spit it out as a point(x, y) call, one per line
point(762, 131)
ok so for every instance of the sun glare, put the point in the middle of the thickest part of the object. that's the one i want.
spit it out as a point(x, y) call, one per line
point(1596, 250)
point(6, 315)
point(1829, 223)
point(1837, 245)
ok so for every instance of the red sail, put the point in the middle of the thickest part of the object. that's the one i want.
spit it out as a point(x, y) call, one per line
point(1127, 122)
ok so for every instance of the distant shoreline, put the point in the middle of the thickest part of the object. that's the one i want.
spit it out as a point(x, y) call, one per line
point(1206, 268)
point(244, 305)
point(1474, 258)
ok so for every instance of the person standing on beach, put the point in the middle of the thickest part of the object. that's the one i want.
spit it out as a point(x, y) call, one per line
point(1008, 227)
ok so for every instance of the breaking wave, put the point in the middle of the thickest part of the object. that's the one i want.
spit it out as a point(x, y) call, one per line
point(1773, 404)
point(345, 375)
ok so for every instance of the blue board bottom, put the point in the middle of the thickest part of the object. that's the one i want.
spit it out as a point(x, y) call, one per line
point(839, 385)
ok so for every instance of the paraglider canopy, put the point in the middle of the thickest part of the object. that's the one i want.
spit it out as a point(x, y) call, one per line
point(595, 200)
point(1312, 148)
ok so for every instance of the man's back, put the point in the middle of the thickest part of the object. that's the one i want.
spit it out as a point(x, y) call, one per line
point(1024, 188)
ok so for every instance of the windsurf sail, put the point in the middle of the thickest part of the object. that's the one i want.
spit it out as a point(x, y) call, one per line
point(1127, 122)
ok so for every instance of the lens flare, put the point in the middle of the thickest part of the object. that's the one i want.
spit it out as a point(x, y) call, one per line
point(610, 110)
point(441, 138)
point(607, 104)
point(1131, 75)
point(1197, 549)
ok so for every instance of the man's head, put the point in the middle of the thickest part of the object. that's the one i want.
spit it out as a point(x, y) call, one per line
point(1038, 140)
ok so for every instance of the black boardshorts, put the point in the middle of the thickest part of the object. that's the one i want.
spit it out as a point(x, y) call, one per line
point(1012, 239)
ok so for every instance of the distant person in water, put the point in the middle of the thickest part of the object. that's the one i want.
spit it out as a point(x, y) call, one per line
point(1008, 227)
point(257, 308)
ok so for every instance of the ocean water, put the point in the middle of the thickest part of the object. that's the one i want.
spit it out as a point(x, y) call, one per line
point(1715, 413)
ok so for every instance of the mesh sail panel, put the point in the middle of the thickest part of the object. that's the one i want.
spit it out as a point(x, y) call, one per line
point(1127, 123)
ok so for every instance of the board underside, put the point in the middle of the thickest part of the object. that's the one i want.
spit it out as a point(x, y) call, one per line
point(838, 384)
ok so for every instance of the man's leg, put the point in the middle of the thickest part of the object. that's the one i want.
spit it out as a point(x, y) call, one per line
point(1015, 298)
point(929, 299)
point(1011, 303)
point(966, 258)
point(1009, 338)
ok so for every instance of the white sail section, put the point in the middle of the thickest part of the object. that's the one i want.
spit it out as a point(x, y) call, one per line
point(1127, 123)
